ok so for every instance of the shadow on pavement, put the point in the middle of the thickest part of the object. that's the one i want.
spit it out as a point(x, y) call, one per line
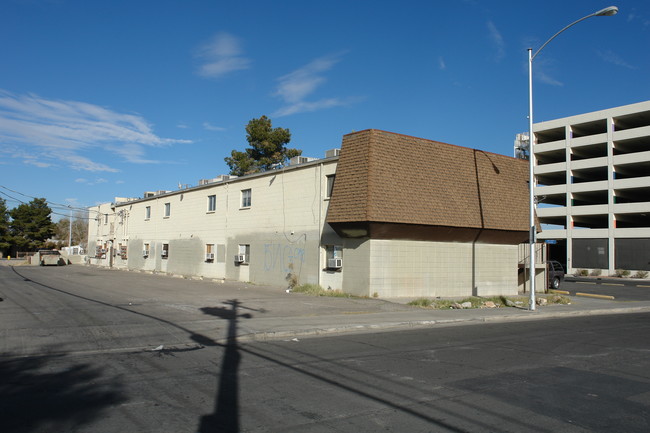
point(226, 412)
point(34, 395)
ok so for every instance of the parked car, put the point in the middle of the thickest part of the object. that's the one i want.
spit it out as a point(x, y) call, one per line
point(50, 257)
point(555, 273)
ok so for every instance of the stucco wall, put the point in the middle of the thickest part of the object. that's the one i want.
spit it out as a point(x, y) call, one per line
point(282, 227)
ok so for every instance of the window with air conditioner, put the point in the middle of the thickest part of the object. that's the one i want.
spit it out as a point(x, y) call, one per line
point(209, 253)
point(243, 254)
point(334, 256)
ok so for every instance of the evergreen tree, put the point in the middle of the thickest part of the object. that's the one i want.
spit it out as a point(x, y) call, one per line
point(267, 148)
point(31, 225)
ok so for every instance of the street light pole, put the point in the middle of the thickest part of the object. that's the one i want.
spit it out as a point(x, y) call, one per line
point(608, 11)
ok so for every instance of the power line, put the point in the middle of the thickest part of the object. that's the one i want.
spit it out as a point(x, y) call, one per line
point(50, 203)
point(51, 211)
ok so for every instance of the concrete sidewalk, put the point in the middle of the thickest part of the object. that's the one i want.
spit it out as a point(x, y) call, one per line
point(365, 317)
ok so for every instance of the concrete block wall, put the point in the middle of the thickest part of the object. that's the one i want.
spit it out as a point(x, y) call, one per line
point(402, 268)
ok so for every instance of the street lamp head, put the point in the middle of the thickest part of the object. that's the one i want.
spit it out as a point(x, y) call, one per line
point(607, 12)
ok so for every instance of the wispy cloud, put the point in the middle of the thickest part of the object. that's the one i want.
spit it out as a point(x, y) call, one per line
point(295, 87)
point(611, 57)
point(441, 64)
point(633, 16)
point(88, 182)
point(543, 72)
point(221, 55)
point(46, 132)
point(210, 127)
point(497, 41)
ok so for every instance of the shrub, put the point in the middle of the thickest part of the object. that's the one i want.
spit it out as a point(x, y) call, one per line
point(595, 272)
point(421, 302)
point(581, 273)
point(641, 274)
point(622, 273)
point(316, 290)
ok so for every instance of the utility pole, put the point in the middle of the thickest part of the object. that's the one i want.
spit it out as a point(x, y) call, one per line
point(70, 235)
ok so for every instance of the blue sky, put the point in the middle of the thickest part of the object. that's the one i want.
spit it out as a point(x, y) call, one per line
point(100, 99)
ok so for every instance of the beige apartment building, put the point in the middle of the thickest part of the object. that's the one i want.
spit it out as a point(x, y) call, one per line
point(390, 215)
point(593, 188)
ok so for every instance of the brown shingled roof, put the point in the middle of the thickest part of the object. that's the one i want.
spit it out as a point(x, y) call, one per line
point(392, 178)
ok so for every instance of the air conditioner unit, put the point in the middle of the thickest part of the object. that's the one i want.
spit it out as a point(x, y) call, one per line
point(240, 258)
point(145, 253)
point(334, 263)
point(332, 153)
point(209, 256)
point(164, 253)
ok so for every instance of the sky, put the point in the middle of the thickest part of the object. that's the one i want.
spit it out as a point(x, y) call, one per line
point(105, 99)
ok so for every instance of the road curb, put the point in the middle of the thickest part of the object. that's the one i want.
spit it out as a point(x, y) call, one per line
point(593, 295)
point(351, 329)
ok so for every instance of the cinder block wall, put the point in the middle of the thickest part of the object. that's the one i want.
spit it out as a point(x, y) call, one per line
point(401, 268)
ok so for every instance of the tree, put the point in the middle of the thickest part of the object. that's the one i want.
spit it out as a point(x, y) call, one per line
point(31, 224)
point(79, 231)
point(267, 149)
point(4, 226)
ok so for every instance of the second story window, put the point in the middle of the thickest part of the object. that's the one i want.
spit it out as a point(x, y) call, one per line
point(147, 212)
point(246, 197)
point(212, 203)
point(330, 185)
point(168, 209)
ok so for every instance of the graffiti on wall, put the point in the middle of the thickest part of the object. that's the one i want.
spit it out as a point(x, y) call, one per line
point(283, 258)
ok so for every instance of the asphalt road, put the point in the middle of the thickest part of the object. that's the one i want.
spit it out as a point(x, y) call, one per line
point(74, 359)
point(620, 289)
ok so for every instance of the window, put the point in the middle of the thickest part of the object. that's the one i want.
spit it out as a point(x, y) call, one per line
point(246, 196)
point(243, 255)
point(105, 218)
point(168, 209)
point(147, 212)
point(209, 253)
point(334, 256)
point(165, 251)
point(123, 250)
point(145, 251)
point(212, 203)
point(330, 185)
